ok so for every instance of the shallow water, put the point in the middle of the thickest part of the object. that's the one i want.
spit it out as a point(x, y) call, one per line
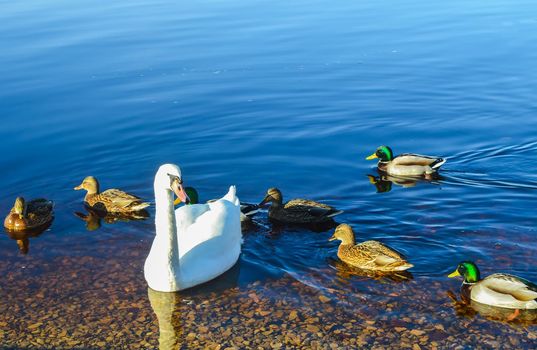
point(261, 94)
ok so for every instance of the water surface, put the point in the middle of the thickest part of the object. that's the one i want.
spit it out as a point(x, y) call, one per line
point(260, 94)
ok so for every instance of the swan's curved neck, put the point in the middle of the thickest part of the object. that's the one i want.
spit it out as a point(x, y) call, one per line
point(165, 224)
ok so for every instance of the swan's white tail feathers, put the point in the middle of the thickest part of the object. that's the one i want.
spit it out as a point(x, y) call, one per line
point(232, 195)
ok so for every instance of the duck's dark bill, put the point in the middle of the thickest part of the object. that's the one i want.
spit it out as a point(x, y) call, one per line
point(265, 200)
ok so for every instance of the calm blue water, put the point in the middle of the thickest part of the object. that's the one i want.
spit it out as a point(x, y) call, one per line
point(287, 94)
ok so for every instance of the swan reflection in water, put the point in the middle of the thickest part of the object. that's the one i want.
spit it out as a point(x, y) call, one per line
point(168, 306)
point(383, 182)
point(465, 307)
point(23, 237)
point(93, 218)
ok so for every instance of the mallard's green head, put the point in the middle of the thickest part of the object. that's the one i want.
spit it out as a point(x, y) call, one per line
point(469, 270)
point(384, 153)
point(18, 207)
point(192, 195)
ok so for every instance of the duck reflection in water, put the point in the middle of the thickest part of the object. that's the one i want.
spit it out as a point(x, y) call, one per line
point(93, 217)
point(173, 327)
point(383, 182)
point(465, 307)
point(23, 237)
point(345, 272)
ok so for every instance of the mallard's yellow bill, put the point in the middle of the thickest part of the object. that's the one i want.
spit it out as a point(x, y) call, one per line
point(454, 274)
point(372, 179)
point(373, 156)
point(177, 201)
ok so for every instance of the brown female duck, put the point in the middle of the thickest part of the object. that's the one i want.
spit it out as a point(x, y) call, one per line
point(29, 215)
point(297, 211)
point(368, 255)
point(112, 200)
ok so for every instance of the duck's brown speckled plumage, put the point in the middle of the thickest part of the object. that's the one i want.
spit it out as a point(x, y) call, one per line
point(112, 200)
point(298, 211)
point(29, 215)
point(370, 255)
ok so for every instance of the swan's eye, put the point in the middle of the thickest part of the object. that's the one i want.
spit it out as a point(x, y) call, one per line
point(175, 178)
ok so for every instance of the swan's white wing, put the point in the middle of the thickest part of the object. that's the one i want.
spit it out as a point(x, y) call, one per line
point(200, 222)
point(206, 222)
point(188, 214)
point(212, 243)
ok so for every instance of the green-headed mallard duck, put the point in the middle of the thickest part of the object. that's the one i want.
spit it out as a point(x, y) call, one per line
point(368, 255)
point(297, 211)
point(247, 209)
point(29, 215)
point(192, 195)
point(407, 164)
point(112, 200)
point(499, 289)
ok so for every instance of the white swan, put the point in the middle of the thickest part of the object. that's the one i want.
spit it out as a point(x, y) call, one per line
point(194, 243)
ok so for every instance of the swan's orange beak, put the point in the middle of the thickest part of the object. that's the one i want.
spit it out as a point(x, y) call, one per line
point(179, 191)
